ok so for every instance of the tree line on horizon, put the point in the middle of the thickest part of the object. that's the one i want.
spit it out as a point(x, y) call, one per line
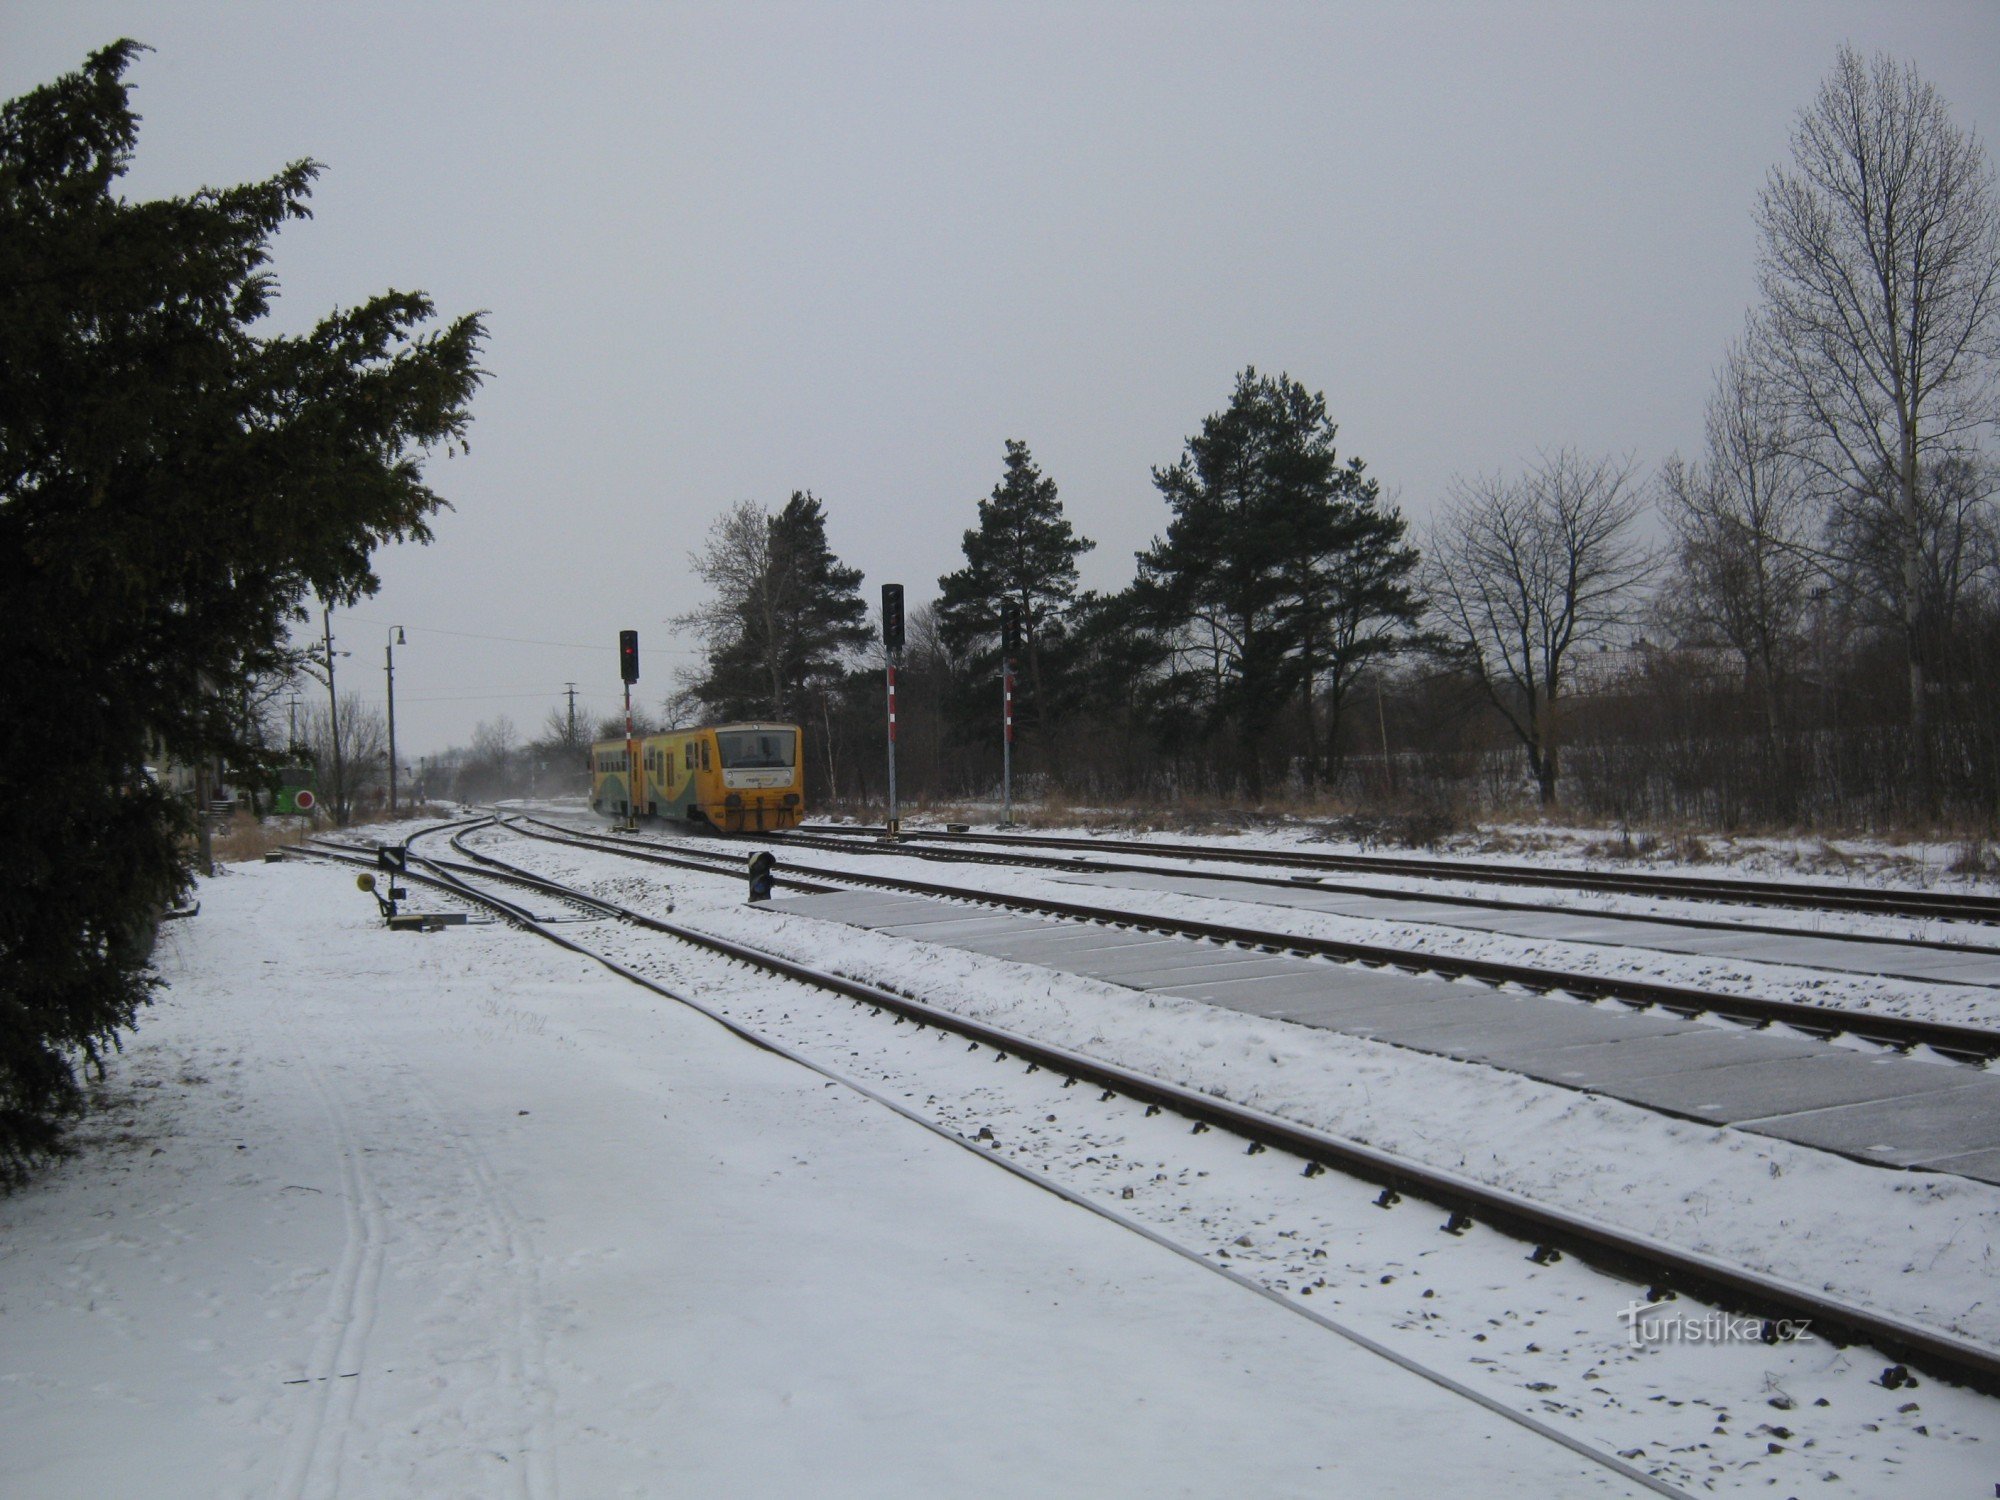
point(1814, 642)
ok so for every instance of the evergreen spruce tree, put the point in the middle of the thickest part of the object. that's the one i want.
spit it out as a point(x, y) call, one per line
point(173, 484)
point(1023, 552)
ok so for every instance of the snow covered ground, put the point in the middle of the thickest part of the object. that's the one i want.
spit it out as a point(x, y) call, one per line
point(1904, 864)
point(380, 1214)
point(377, 1215)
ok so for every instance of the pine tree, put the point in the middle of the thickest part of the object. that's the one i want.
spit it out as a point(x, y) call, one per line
point(822, 616)
point(784, 613)
point(172, 485)
point(1278, 566)
point(1023, 552)
point(1360, 604)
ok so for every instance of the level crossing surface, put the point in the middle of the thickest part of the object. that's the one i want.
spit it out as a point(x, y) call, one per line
point(1884, 1108)
point(1935, 965)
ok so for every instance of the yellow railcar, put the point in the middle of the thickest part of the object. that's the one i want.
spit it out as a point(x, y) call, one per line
point(733, 778)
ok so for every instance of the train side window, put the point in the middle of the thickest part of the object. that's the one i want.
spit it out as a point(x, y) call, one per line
point(704, 755)
point(690, 755)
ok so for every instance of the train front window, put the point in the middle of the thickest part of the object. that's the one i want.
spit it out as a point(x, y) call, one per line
point(758, 749)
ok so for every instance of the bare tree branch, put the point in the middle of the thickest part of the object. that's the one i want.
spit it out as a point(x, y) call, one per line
point(1521, 573)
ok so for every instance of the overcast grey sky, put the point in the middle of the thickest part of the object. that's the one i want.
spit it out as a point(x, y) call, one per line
point(729, 251)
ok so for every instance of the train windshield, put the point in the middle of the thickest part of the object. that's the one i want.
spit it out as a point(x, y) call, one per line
point(758, 749)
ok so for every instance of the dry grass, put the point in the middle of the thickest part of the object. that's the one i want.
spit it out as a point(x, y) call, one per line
point(245, 839)
point(1975, 857)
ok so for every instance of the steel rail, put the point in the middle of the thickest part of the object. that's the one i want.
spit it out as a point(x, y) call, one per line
point(1973, 1043)
point(1073, 864)
point(1691, 887)
point(1638, 1258)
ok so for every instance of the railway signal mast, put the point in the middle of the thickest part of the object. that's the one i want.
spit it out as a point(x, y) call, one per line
point(396, 638)
point(628, 669)
point(1010, 647)
point(892, 640)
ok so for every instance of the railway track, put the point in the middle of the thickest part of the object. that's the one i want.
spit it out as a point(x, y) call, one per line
point(1967, 1043)
point(1095, 864)
point(1806, 895)
point(1644, 1261)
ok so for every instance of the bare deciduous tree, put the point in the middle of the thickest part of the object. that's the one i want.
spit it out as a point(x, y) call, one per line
point(1952, 528)
point(744, 590)
point(1744, 527)
point(1522, 572)
point(363, 744)
point(1880, 270)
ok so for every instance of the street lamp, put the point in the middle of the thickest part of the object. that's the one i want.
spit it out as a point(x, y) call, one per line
point(389, 656)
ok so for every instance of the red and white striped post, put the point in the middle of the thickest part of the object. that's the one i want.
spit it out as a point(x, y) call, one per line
point(892, 652)
point(1010, 642)
point(893, 821)
point(631, 768)
point(1007, 741)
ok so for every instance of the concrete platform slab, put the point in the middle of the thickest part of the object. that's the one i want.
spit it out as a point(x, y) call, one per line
point(1374, 1021)
point(1329, 980)
point(1813, 950)
point(1606, 1065)
point(1914, 1130)
point(870, 909)
point(1534, 1024)
point(1227, 965)
point(1983, 1166)
point(1786, 1086)
point(1117, 963)
point(1056, 950)
point(995, 926)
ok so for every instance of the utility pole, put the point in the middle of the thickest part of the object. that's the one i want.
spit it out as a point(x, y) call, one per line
point(389, 654)
point(204, 796)
point(1382, 723)
point(333, 716)
point(892, 641)
point(570, 689)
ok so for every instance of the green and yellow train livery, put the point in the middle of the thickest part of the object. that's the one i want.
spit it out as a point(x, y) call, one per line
point(732, 778)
